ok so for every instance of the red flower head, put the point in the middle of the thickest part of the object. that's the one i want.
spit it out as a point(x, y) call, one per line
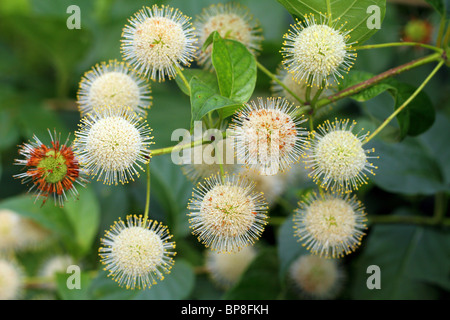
point(51, 170)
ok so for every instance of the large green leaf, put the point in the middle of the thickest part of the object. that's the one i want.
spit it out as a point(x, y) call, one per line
point(259, 281)
point(172, 191)
point(178, 284)
point(235, 67)
point(73, 294)
point(84, 214)
point(412, 260)
point(407, 168)
point(352, 12)
point(441, 6)
point(289, 247)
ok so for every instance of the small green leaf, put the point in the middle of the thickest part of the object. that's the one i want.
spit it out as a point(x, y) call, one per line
point(418, 115)
point(354, 14)
point(204, 75)
point(235, 67)
point(205, 99)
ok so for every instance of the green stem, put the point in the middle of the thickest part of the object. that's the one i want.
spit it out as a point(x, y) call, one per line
point(330, 21)
point(378, 78)
point(416, 220)
point(446, 37)
point(183, 78)
point(440, 204)
point(441, 32)
point(403, 106)
point(397, 44)
point(274, 78)
point(167, 150)
point(147, 197)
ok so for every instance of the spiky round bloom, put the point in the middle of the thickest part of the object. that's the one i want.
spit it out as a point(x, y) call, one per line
point(316, 277)
point(225, 268)
point(203, 161)
point(157, 41)
point(330, 225)
point(314, 51)
point(137, 252)
point(231, 21)
point(20, 233)
point(226, 214)
point(336, 158)
point(112, 143)
point(115, 85)
point(56, 264)
point(298, 88)
point(271, 186)
point(50, 170)
point(11, 280)
point(267, 135)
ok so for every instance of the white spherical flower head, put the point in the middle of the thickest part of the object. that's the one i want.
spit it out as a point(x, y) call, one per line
point(9, 229)
point(55, 265)
point(157, 41)
point(137, 253)
point(226, 269)
point(316, 277)
point(271, 186)
point(203, 161)
point(330, 225)
point(226, 214)
point(315, 51)
point(11, 280)
point(111, 143)
point(336, 158)
point(20, 233)
point(231, 21)
point(114, 85)
point(267, 135)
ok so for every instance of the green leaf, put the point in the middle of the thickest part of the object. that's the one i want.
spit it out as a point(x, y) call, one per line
point(84, 214)
point(205, 99)
point(355, 77)
point(352, 12)
point(419, 114)
point(235, 67)
point(441, 6)
point(204, 75)
point(73, 294)
point(416, 118)
point(406, 168)
point(289, 247)
point(259, 281)
point(435, 140)
point(177, 285)
point(411, 260)
point(172, 191)
point(48, 215)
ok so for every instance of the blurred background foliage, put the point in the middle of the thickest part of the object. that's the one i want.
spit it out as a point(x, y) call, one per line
point(41, 63)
